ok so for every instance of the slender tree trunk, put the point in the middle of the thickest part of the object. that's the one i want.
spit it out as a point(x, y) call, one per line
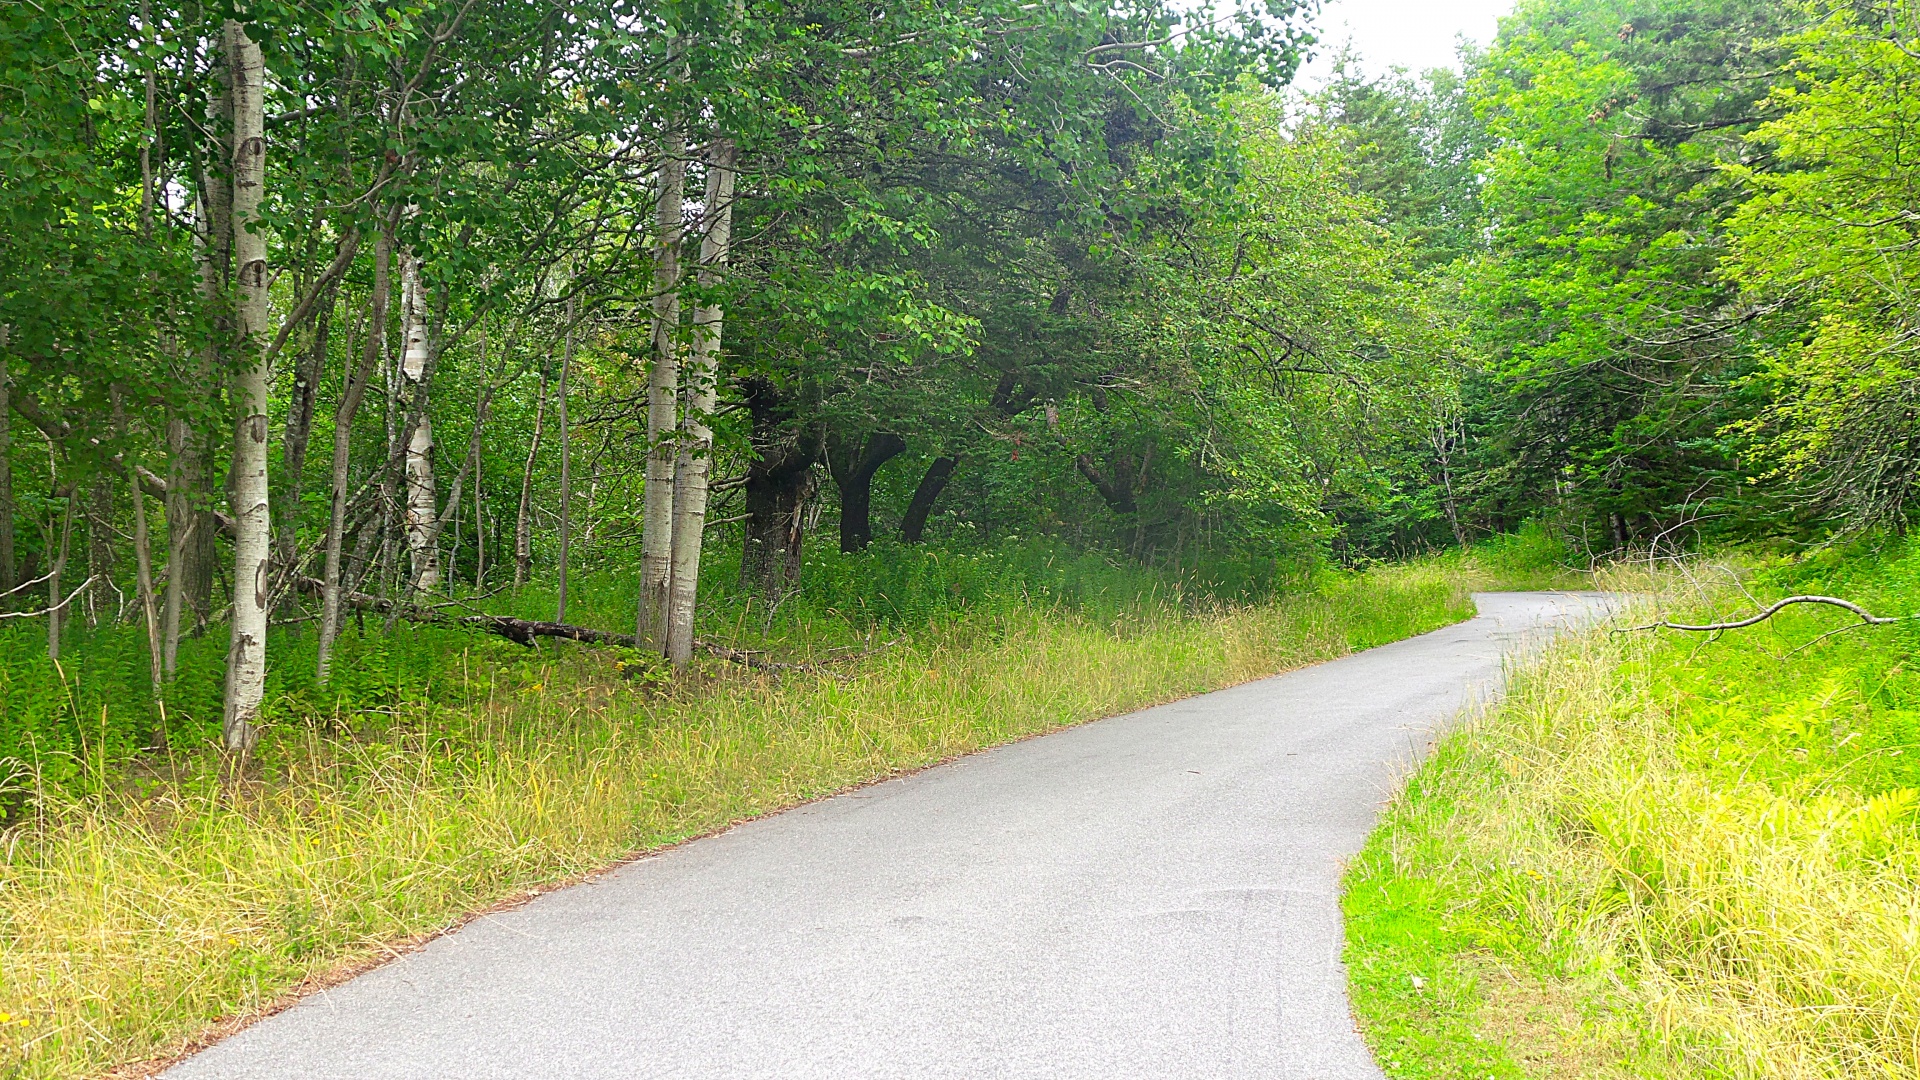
point(143, 582)
point(99, 549)
point(663, 387)
point(297, 435)
point(913, 525)
point(57, 612)
point(253, 521)
point(479, 526)
point(391, 515)
point(143, 568)
point(693, 461)
point(523, 524)
point(9, 569)
point(450, 520)
point(181, 525)
point(423, 501)
point(566, 463)
point(189, 503)
point(350, 396)
point(853, 464)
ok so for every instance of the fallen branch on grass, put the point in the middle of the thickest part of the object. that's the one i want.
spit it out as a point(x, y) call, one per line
point(1867, 618)
point(526, 631)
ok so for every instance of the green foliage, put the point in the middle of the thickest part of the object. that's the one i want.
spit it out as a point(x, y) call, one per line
point(1600, 306)
point(1826, 239)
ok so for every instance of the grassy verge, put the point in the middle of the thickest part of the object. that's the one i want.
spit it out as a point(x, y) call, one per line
point(1665, 857)
point(161, 900)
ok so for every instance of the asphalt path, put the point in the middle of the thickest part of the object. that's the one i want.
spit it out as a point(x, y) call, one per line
point(1152, 895)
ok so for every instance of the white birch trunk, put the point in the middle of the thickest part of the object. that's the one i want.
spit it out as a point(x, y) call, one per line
point(693, 464)
point(663, 386)
point(423, 502)
point(253, 524)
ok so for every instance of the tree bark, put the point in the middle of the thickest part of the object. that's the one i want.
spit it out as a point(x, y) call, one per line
point(913, 525)
point(57, 612)
point(189, 498)
point(423, 500)
point(693, 463)
point(150, 615)
point(297, 435)
point(9, 569)
point(523, 524)
point(253, 538)
point(566, 462)
point(477, 465)
point(663, 387)
point(351, 394)
point(99, 548)
point(853, 463)
point(779, 483)
point(479, 526)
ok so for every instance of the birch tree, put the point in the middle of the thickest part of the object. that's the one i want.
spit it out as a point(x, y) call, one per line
point(656, 544)
point(253, 523)
point(422, 501)
point(693, 462)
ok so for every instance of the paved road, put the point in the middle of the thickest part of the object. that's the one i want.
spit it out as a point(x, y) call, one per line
point(1153, 895)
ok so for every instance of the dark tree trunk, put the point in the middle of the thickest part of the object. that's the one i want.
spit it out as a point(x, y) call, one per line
point(914, 525)
point(8, 569)
point(853, 464)
point(779, 482)
point(298, 434)
point(100, 551)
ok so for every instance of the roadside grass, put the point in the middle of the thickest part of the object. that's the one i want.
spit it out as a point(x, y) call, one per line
point(144, 900)
point(1666, 856)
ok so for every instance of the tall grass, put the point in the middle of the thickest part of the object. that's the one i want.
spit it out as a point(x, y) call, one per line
point(1695, 857)
point(144, 906)
point(95, 705)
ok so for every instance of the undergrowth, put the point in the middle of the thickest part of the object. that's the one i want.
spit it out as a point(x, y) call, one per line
point(1667, 856)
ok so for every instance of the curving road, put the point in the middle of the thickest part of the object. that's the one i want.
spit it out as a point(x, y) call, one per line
point(1153, 895)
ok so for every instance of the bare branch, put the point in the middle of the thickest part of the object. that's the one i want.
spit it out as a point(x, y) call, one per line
point(1867, 618)
point(57, 607)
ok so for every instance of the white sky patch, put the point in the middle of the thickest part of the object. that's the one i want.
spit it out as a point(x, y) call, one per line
point(1413, 34)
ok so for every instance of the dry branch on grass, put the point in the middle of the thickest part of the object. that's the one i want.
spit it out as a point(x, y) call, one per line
point(1867, 618)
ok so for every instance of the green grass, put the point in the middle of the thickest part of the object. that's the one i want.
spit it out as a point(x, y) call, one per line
point(1666, 856)
point(144, 899)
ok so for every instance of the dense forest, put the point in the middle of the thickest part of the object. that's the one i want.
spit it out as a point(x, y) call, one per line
point(397, 311)
point(339, 339)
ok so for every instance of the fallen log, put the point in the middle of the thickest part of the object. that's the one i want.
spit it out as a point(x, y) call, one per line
point(526, 631)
